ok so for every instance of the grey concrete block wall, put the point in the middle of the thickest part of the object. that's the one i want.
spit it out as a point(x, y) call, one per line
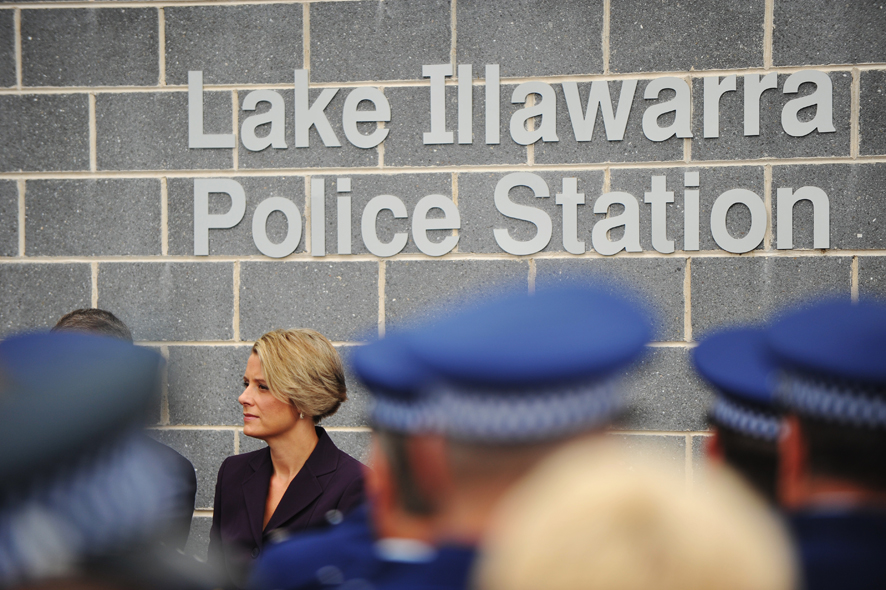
point(44, 132)
point(90, 47)
point(102, 217)
point(234, 44)
point(7, 48)
point(9, 231)
point(97, 179)
point(679, 36)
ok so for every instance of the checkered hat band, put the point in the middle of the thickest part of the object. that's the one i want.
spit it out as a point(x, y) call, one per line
point(755, 423)
point(402, 416)
point(832, 400)
point(494, 416)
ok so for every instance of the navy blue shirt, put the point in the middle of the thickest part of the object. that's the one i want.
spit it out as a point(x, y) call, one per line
point(845, 549)
point(347, 552)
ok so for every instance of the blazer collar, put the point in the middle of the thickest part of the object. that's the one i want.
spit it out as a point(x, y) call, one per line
point(303, 490)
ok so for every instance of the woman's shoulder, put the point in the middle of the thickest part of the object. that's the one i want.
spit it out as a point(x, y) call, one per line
point(235, 464)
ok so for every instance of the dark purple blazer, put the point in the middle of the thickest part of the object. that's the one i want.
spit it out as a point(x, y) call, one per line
point(329, 480)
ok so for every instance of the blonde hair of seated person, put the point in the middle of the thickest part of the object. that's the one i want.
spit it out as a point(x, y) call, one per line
point(591, 519)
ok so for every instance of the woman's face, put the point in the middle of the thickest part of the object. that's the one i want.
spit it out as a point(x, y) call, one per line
point(264, 416)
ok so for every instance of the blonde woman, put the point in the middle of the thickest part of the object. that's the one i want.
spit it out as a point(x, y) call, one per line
point(293, 379)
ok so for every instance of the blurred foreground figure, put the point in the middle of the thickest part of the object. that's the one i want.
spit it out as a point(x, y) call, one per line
point(177, 520)
point(512, 380)
point(591, 519)
point(388, 542)
point(833, 452)
point(744, 417)
point(81, 494)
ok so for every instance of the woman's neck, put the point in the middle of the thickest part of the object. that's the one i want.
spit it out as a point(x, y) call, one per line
point(291, 450)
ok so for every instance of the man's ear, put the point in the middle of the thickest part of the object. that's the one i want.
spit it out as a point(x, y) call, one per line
point(430, 465)
point(378, 478)
point(714, 447)
point(793, 463)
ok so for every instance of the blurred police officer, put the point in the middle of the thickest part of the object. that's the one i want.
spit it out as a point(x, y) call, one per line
point(745, 420)
point(833, 476)
point(80, 492)
point(182, 495)
point(514, 378)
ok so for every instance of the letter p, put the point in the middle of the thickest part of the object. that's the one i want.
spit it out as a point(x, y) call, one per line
point(203, 221)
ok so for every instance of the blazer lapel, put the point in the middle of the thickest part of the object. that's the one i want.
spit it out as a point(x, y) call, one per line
point(306, 487)
point(255, 492)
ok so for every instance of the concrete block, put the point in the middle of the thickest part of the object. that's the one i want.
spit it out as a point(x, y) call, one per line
point(204, 384)
point(9, 214)
point(198, 540)
point(44, 132)
point(249, 444)
point(713, 182)
point(872, 113)
point(480, 216)
point(855, 195)
point(822, 32)
point(729, 291)
point(355, 411)
point(154, 415)
point(354, 443)
point(35, 296)
point(553, 37)
point(7, 48)
point(410, 119)
point(634, 147)
point(416, 291)
point(338, 299)
point(317, 154)
point(143, 131)
point(665, 393)
point(772, 142)
point(237, 241)
point(90, 47)
point(409, 188)
point(657, 284)
point(170, 300)
point(259, 44)
point(674, 36)
point(872, 276)
point(206, 449)
point(667, 450)
point(390, 40)
point(105, 217)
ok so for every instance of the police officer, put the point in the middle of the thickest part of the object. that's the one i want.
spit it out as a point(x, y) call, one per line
point(514, 379)
point(745, 420)
point(833, 476)
point(81, 493)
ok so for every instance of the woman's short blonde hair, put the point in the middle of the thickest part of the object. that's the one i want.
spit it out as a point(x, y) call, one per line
point(302, 368)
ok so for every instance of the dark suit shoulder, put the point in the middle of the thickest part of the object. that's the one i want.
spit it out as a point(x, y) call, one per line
point(236, 465)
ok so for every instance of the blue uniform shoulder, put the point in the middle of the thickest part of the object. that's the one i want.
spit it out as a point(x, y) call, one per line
point(316, 559)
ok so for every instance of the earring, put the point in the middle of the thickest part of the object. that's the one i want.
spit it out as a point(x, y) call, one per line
point(301, 415)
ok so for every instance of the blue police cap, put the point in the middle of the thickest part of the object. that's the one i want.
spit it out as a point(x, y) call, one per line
point(522, 367)
point(741, 369)
point(76, 477)
point(64, 393)
point(396, 383)
point(832, 359)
